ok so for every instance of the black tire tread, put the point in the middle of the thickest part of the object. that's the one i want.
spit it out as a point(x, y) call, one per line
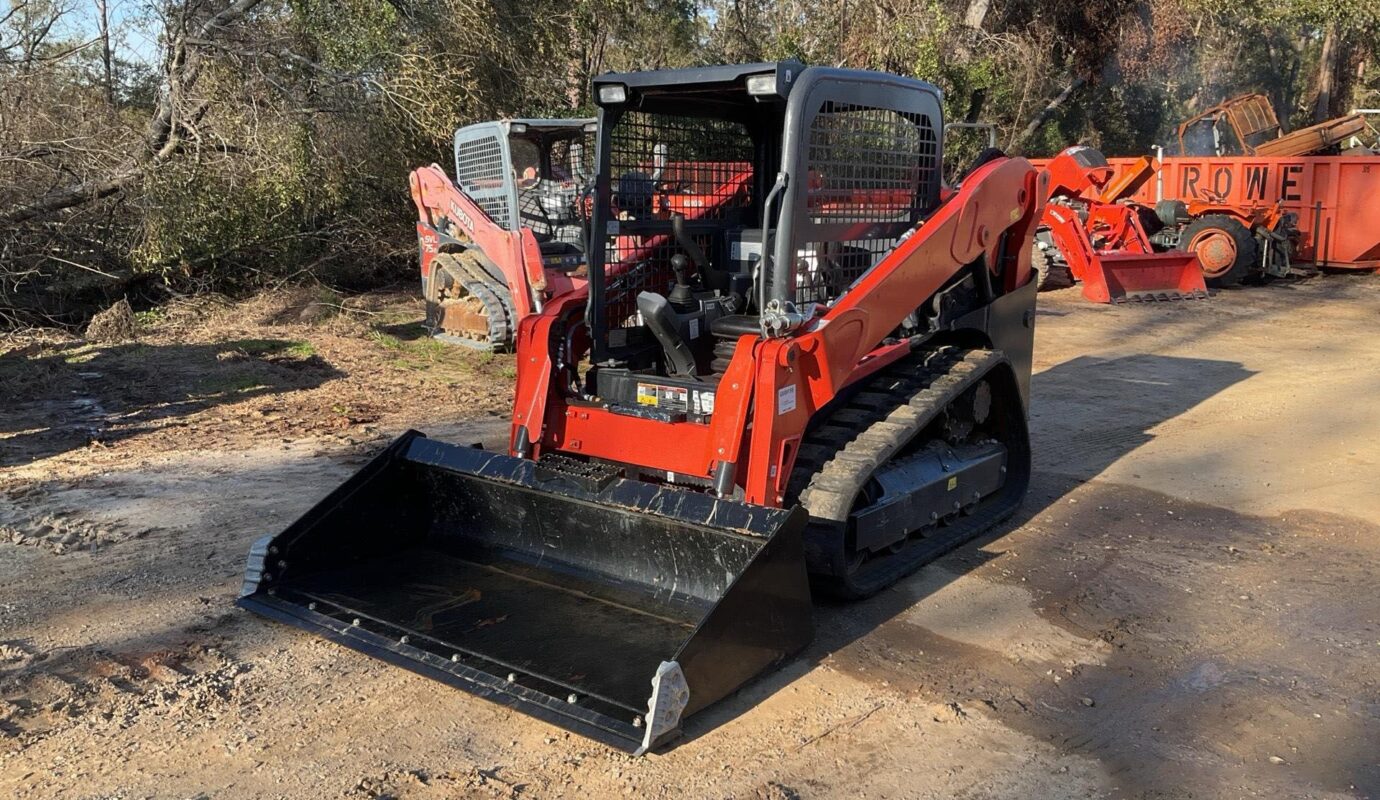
point(1247, 248)
point(835, 461)
point(1049, 274)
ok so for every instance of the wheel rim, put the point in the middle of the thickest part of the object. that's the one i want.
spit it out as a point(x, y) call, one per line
point(1216, 251)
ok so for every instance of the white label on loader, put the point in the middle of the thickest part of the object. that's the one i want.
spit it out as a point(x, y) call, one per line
point(744, 250)
point(785, 399)
point(694, 329)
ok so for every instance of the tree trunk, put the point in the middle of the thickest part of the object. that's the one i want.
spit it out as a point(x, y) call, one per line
point(1327, 72)
point(103, 23)
point(976, 13)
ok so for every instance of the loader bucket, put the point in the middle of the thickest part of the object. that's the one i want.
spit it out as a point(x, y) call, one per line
point(1143, 277)
point(610, 607)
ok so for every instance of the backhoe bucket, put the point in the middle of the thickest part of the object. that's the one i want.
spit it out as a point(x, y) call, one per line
point(1143, 277)
point(611, 607)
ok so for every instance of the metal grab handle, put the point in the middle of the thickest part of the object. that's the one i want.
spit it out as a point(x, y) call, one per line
point(764, 263)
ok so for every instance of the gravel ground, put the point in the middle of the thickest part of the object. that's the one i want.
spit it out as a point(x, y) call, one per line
point(1185, 607)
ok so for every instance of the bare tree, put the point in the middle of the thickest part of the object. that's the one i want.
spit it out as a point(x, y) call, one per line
point(1327, 76)
point(108, 73)
point(175, 115)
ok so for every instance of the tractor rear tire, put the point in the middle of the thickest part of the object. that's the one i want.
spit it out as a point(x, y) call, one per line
point(1049, 274)
point(1226, 249)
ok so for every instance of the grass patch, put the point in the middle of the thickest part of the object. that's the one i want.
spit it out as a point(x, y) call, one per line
point(414, 350)
point(87, 353)
point(272, 347)
point(150, 318)
point(386, 340)
point(300, 350)
point(81, 355)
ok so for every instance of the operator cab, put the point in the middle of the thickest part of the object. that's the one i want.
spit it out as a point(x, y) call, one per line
point(740, 200)
point(535, 174)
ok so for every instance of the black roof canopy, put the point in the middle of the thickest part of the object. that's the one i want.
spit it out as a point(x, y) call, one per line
point(698, 90)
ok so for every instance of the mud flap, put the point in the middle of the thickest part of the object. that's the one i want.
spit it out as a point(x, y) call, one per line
point(1143, 277)
point(611, 607)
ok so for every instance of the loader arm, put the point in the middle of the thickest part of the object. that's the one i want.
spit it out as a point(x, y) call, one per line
point(450, 220)
point(999, 203)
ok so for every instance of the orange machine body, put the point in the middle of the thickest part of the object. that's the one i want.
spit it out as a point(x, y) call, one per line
point(1103, 242)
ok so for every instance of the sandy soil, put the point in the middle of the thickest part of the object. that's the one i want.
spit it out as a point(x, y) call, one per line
point(1185, 607)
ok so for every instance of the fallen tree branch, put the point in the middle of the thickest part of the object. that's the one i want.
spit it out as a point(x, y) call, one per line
point(83, 266)
point(851, 722)
point(1050, 108)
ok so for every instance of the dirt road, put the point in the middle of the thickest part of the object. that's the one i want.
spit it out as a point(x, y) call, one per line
point(1185, 607)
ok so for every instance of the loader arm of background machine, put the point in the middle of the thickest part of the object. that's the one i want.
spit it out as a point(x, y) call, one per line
point(1101, 237)
point(447, 218)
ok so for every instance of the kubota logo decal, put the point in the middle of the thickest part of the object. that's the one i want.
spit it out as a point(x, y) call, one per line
point(461, 217)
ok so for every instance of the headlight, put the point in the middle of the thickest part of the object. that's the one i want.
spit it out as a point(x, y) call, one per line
point(758, 85)
point(613, 94)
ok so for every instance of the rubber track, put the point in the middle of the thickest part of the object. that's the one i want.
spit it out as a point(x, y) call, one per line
point(837, 458)
point(498, 314)
point(494, 297)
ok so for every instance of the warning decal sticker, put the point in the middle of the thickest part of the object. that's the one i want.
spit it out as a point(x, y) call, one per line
point(785, 399)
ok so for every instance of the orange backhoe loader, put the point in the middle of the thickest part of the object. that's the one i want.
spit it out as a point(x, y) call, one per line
point(799, 362)
point(1088, 237)
point(1235, 238)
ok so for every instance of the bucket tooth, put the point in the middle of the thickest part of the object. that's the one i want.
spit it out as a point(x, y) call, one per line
point(611, 607)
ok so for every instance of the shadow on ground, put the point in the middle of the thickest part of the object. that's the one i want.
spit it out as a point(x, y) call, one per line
point(1088, 412)
point(55, 399)
point(1082, 420)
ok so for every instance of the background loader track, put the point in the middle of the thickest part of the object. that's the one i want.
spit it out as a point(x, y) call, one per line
point(466, 271)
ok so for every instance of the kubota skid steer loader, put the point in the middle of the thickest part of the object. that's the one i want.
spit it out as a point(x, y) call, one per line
point(824, 370)
point(509, 232)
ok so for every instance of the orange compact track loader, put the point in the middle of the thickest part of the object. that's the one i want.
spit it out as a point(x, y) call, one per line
point(797, 356)
point(1103, 244)
point(509, 232)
